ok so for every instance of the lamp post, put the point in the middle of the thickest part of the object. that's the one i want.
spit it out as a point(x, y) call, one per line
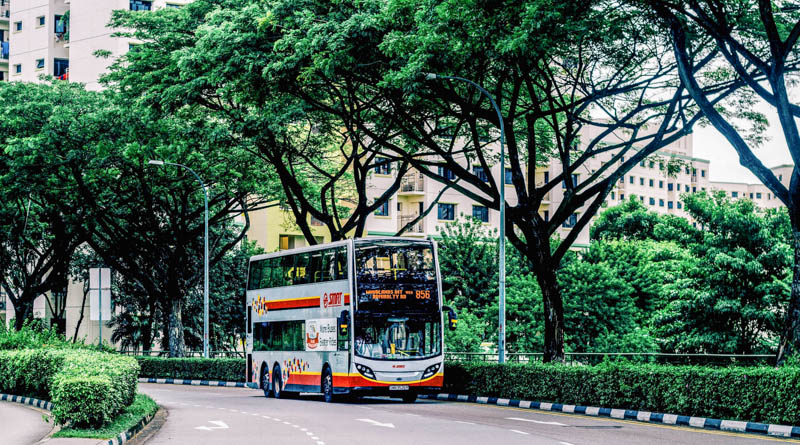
point(205, 253)
point(501, 342)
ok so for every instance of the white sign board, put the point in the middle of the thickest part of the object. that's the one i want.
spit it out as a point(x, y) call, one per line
point(100, 278)
point(321, 334)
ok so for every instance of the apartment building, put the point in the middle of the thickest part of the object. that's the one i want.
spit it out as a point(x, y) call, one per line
point(60, 38)
point(757, 192)
point(5, 16)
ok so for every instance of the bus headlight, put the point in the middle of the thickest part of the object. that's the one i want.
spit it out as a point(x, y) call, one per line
point(431, 371)
point(365, 371)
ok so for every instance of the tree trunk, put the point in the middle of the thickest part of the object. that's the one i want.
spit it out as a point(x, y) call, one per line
point(553, 315)
point(176, 344)
point(790, 335)
point(23, 311)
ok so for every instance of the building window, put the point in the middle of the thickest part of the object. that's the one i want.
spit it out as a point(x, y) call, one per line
point(447, 174)
point(641, 198)
point(17, 26)
point(703, 173)
point(769, 196)
point(758, 195)
point(571, 221)
point(630, 179)
point(751, 196)
point(694, 189)
point(612, 195)
point(652, 182)
point(622, 197)
point(652, 164)
point(661, 166)
point(480, 173)
point(18, 68)
point(509, 179)
point(641, 164)
point(687, 170)
point(141, 5)
point(383, 210)
point(40, 20)
point(546, 177)
point(780, 177)
point(481, 213)
point(652, 201)
point(661, 184)
point(546, 215)
point(574, 181)
point(669, 187)
point(59, 26)
point(641, 181)
point(622, 180)
point(680, 206)
point(382, 166)
point(39, 64)
point(734, 194)
point(661, 203)
point(687, 188)
point(447, 212)
point(61, 68)
point(669, 204)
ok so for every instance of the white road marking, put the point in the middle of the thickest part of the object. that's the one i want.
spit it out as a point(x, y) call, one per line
point(220, 425)
point(287, 423)
point(314, 438)
point(309, 433)
point(519, 432)
point(376, 423)
point(303, 429)
point(565, 443)
point(535, 421)
point(266, 417)
point(465, 423)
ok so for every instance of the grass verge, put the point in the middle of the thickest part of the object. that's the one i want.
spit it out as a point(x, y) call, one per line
point(142, 407)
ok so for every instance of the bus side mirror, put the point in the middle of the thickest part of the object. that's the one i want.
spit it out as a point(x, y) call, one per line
point(344, 324)
point(452, 317)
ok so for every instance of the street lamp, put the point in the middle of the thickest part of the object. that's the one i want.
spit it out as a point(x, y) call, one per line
point(205, 256)
point(501, 342)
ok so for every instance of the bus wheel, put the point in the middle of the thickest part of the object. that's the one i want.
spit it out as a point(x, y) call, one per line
point(327, 385)
point(277, 391)
point(265, 380)
point(410, 397)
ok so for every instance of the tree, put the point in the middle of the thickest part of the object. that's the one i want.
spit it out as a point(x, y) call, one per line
point(756, 43)
point(559, 71)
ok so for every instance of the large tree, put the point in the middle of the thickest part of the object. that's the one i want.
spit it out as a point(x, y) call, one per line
point(574, 81)
point(755, 42)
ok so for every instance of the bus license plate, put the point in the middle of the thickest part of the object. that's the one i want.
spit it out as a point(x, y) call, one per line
point(398, 387)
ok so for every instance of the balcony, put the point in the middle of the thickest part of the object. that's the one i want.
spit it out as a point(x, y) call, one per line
point(5, 11)
point(412, 183)
point(417, 227)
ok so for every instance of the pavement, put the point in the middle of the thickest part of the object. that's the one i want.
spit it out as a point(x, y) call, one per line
point(207, 415)
point(21, 424)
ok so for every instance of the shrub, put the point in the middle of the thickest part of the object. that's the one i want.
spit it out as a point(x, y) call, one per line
point(226, 369)
point(758, 394)
point(87, 388)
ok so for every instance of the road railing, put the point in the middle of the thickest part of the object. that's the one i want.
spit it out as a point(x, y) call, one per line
point(188, 354)
point(593, 358)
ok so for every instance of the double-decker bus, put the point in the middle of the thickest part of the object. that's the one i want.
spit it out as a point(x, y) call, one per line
point(355, 317)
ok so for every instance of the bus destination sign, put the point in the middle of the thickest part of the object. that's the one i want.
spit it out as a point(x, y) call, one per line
point(398, 294)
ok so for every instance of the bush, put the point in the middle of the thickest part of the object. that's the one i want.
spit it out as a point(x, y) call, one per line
point(758, 394)
point(225, 369)
point(87, 388)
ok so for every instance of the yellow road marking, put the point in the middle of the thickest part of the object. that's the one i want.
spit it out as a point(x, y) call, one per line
point(634, 422)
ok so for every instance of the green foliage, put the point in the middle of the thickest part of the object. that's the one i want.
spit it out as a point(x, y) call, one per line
point(224, 369)
point(32, 335)
point(142, 407)
point(87, 388)
point(759, 394)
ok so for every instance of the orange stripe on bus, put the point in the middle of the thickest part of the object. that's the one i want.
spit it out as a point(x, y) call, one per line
point(296, 303)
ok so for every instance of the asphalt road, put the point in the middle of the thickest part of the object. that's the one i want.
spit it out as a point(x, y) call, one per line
point(207, 415)
point(21, 425)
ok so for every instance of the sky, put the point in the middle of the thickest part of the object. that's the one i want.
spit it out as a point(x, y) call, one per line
point(710, 144)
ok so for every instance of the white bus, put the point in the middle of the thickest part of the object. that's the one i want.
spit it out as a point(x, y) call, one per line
point(353, 317)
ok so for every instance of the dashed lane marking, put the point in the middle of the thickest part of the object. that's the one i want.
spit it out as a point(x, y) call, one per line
point(535, 421)
point(519, 432)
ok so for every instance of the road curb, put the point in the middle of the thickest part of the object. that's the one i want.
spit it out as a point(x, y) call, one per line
point(627, 414)
point(195, 382)
point(48, 406)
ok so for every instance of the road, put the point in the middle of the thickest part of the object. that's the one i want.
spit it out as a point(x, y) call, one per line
point(207, 415)
point(20, 424)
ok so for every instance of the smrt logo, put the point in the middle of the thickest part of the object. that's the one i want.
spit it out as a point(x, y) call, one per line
point(332, 299)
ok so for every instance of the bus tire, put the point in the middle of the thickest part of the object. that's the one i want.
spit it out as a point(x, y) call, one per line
point(277, 389)
point(410, 397)
point(265, 385)
point(327, 385)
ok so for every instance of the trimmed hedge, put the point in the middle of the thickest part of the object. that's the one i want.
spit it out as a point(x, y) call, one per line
point(757, 394)
point(87, 388)
point(225, 369)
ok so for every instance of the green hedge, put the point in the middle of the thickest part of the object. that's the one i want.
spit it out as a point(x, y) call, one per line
point(757, 394)
point(87, 388)
point(225, 369)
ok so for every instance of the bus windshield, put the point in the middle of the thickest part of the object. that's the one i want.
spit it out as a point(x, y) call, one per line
point(396, 275)
point(407, 337)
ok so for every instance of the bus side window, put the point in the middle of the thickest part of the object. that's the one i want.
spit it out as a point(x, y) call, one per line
point(255, 274)
point(265, 273)
point(314, 271)
point(287, 271)
point(301, 268)
point(328, 262)
point(341, 263)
